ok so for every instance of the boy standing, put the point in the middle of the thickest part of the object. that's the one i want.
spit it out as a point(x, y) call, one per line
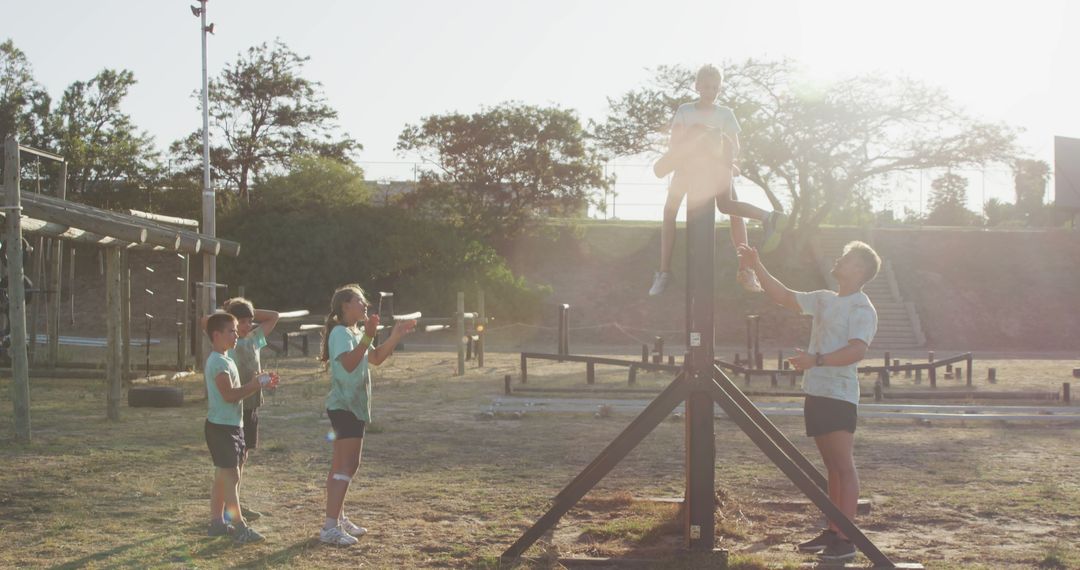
point(844, 324)
point(224, 429)
point(246, 356)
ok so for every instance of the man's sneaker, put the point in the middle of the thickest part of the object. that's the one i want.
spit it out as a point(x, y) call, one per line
point(250, 515)
point(775, 224)
point(840, 549)
point(820, 542)
point(748, 279)
point(660, 281)
point(351, 528)
point(337, 537)
point(217, 528)
point(247, 535)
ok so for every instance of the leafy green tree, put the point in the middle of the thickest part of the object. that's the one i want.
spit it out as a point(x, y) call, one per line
point(316, 183)
point(24, 103)
point(948, 202)
point(819, 144)
point(110, 161)
point(263, 112)
point(1031, 178)
point(496, 171)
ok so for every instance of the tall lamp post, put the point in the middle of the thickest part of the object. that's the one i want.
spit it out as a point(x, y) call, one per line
point(208, 287)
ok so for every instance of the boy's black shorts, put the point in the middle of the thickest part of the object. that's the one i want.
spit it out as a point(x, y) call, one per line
point(226, 444)
point(251, 428)
point(826, 415)
point(346, 425)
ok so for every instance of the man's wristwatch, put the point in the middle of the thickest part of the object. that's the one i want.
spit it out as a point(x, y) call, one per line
point(819, 359)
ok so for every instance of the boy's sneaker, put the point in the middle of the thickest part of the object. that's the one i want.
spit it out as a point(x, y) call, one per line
point(820, 542)
point(840, 549)
point(337, 537)
point(748, 279)
point(250, 515)
point(775, 224)
point(217, 528)
point(659, 284)
point(247, 535)
point(351, 528)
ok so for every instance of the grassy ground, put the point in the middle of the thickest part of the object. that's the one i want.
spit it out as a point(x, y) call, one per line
point(439, 487)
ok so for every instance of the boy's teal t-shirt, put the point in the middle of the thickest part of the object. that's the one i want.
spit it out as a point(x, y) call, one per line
point(246, 357)
point(219, 411)
point(350, 391)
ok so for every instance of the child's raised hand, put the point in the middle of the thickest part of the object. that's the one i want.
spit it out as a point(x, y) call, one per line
point(371, 325)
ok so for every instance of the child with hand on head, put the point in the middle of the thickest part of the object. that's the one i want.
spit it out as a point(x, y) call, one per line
point(346, 348)
point(224, 428)
point(253, 326)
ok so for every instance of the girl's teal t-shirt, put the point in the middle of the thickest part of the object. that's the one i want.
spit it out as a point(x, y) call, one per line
point(350, 391)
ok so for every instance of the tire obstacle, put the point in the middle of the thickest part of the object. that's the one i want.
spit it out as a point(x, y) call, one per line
point(700, 384)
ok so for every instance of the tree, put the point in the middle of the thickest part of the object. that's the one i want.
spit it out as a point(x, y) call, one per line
point(316, 183)
point(109, 159)
point(948, 202)
point(497, 170)
point(263, 112)
point(820, 144)
point(24, 103)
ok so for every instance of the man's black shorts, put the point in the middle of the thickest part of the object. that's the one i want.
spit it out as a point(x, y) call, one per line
point(251, 428)
point(226, 444)
point(346, 425)
point(826, 415)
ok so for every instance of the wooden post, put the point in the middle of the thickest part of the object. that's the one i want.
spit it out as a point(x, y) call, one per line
point(462, 339)
point(884, 378)
point(284, 344)
point(113, 314)
point(644, 353)
point(590, 373)
point(991, 375)
point(699, 525)
point(524, 369)
point(36, 263)
point(480, 328)
point(182, 350)
point(304, 343)
point(1065, 389)
point(907, 373)
point(970, 363)
point(780, 360)
point(933, 377)
point(749, 342)
point(671, 360)
point(918, 375)
point(878, 391)
point(56, 272)
point(20, 372)
point(631, 376)
point(507, 387)
point(239, 290)
point(887, 359)
point(125, 316)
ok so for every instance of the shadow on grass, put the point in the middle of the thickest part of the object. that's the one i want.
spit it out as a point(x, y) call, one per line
point(101, 556)
point(284, 555)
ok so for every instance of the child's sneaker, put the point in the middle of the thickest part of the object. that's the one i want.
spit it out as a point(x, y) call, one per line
point(219, 528)
point(748, 279)
point(819, 542)
point(840, 549)
point(250, 515)
point(351, 528)
point(247, 535)
point(659, 284)
point(775, 223)
point(337, 537)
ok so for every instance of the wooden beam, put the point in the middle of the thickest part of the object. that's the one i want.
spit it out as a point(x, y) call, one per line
point(170, 220)
point(69, 217)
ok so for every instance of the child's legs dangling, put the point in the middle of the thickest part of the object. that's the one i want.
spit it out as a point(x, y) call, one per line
point(676, 192)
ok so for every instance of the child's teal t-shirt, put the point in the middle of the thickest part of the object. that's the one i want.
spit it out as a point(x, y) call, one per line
point(350, 391)
point(246, 357)
point(219, 411)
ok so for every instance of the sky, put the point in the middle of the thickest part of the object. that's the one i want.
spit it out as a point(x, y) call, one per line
point(387, 64)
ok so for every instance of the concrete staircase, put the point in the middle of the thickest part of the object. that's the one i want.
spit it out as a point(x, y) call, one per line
point(898, 322)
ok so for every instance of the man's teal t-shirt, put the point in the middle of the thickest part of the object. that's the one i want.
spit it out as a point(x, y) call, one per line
point(350, 391)
point(219, 411)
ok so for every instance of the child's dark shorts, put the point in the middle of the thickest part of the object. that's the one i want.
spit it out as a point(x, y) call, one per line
point(226, 444)
point(826, 415)
point(251, 428)
point(346, 425)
